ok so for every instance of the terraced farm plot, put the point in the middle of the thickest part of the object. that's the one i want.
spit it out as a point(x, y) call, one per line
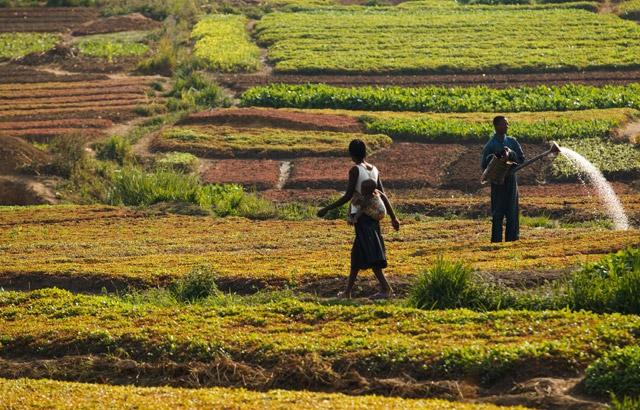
point(42, 110)
point(448, 41)
point(59, 395)
point(18, 74)
point(116, 45)
point(44, 19)
point(16, 45)
point(260, 174)
point(223, 44)
point(341, 348)
point(227, 142)
point(402, 165)
point(92, 247)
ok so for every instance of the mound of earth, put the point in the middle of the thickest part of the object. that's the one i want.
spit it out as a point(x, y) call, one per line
point(114, 24)
point(275, 118)
point(17, 154)
point(24, 191)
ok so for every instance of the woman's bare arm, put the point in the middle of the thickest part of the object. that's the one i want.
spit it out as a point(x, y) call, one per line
point(392, 214)
point(351, 188)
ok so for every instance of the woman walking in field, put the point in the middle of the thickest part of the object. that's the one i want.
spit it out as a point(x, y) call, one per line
point(368, 251)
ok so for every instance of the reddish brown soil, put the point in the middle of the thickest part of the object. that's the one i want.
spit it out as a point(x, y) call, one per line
point(403, 165)
point(19, 74)
point(41, 19)
point(290, 119)
point(243, 81)
point(131, 22)
point(42, 110)
point(252, 173)
point(570, 190)
point(17, 154)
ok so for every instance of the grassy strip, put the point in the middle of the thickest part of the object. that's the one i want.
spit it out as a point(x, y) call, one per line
point(443, 99)
point(629, 9)
point(118, 244)
point(16, 45)
point(214, 141)
point(400, 42)
point(222, 44)
point(372, 340)
point(116, 45)
point(28, 393)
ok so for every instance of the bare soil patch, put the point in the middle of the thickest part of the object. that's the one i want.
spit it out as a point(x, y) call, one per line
point(16, 154)
point(16, 190)
point(130, 22)
point(257, 174)
point(403, 165)
point(45, 19)
point(21, 74)
point(289, 119)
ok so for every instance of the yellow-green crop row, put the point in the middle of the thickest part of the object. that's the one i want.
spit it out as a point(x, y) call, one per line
point(448, 41)
point(103, 243)
point(29, 394)
point(222, 44)
point(16, 45)
point(222, 141)
point(629, 9)
point(284, 333)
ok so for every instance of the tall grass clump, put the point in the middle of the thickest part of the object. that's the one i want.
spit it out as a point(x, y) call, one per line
point(447, 285)
point(611, 285)
point(198, 284)
point(116, 149)
point(69, 155)
point(178, 161)
point(193, 90)
point(617, 372)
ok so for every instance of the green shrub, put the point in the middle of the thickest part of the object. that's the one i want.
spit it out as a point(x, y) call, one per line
point(178, 161)
point(116, 149)
point(617, 372)
point(198, 284)
point(68, 154)
point(611, 285)
point(627, 403)
point(447, 285)
point(71, 3)
point(163, 61)
point(192, 90)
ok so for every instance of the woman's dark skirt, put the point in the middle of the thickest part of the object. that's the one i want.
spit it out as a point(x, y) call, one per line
point(368, 247)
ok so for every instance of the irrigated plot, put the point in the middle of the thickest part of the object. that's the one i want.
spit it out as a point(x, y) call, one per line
point(211, 141)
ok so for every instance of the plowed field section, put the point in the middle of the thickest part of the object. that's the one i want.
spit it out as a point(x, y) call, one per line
point(48, 19)
point(43, 110)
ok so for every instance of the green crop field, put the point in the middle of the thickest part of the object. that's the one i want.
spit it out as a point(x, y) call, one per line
point(448, 41)
point(110, 46)
point(221, 142)
point(444, 99)
point(15, 45)
point(223, 44)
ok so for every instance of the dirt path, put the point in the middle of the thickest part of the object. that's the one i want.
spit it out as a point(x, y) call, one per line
point(26, 190)
point(630, 132)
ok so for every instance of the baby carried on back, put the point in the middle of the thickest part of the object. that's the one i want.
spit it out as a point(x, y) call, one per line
point(370, 201)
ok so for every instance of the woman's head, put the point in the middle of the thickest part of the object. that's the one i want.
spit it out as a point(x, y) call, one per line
point(357, 150)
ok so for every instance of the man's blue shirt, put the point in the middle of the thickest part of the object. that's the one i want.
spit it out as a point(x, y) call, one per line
point(496, 144)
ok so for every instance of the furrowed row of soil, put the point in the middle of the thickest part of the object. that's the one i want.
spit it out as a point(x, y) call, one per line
point(131, 22)
point(19, 74)
point(72, 123)
point(10, 96)
point(50, 19)
point(241, 82)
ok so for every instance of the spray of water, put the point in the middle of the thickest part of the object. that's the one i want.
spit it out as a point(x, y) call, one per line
point(605, 192)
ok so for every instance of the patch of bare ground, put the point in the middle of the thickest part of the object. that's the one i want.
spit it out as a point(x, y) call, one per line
point(113, 24)
point(44, 19)
point(25, 190)
point(630, 132)
point(257, 174)
point(275, 118)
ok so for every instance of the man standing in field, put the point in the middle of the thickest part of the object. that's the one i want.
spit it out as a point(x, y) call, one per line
point(504, 198)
